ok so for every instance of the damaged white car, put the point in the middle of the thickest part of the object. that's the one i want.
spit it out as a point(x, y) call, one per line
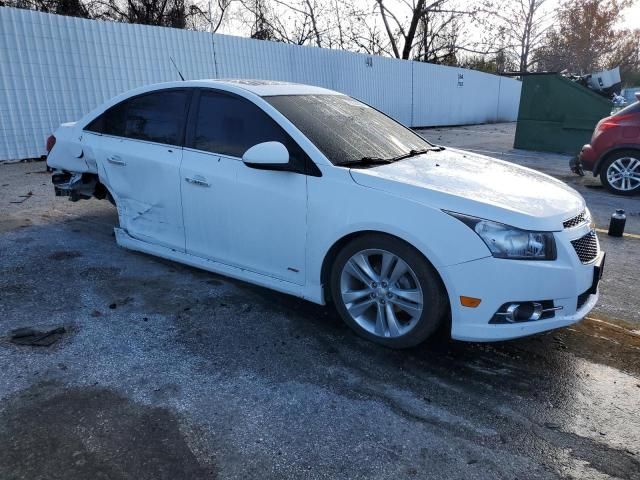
point(312, 193)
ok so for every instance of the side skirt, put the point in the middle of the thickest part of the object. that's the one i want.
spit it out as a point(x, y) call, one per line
point(123, 239)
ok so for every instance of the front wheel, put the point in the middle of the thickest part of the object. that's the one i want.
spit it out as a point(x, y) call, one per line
point(620, 173)
point(387, 292)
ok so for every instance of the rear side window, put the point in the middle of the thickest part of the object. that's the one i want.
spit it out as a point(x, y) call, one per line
point(111, 122)
point(155, 117)
point(230, 125)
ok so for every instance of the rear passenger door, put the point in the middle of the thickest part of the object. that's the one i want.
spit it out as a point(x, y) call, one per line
point(247, 217)
point(137, 147)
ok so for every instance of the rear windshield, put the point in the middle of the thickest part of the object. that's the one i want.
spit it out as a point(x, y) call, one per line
point(346, 130)
point(633, 108)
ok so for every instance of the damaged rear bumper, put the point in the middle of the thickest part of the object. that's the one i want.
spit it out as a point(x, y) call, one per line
point(77, 186)
point(73, 185)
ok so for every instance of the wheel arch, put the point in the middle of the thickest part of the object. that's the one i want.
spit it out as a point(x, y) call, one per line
point(612, 151)
point(332, 252)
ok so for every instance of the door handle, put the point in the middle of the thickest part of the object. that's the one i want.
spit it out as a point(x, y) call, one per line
point(116, 160)
point(197, 180)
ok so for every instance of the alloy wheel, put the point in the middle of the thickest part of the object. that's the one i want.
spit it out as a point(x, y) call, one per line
point(381, 293)
point(624, 174)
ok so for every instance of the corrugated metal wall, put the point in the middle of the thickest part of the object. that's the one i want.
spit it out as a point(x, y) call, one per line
point(54, 69)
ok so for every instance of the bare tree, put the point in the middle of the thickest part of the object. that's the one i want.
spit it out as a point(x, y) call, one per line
point(278, 21)
point(208, 18)
point(71, 8)
point(432, 30)
point(522, 26)
point(360, 32)
point(586, 38)
point(322, 23)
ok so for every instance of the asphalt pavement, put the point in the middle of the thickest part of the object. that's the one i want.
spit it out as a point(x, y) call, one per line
point(167, 372)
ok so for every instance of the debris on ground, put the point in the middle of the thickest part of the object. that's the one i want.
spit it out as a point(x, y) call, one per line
point(36, 338)
point(124, 301)
point(64, 255)
point(24, 197)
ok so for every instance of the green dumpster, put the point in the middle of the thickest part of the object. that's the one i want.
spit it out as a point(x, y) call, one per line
point(556, 114)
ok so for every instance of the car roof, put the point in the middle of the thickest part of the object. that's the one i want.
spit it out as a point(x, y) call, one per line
point(263, 88)
point(243, 87)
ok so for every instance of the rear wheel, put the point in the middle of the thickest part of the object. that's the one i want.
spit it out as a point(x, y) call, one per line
point(620, 172)
point(387, 292)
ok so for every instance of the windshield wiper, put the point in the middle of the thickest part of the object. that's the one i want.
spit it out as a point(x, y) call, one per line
point(414, 153)
point(366, 161)
point(369, 161)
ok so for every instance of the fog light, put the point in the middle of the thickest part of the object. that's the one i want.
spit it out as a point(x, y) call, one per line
point(516, 312)
point(522, 312)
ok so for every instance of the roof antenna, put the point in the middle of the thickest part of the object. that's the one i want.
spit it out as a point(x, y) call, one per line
point(174, 64)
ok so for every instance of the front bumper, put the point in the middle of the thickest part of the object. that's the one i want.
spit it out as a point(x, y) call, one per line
point(587, 158)
point(576, 166)
point(565, 281)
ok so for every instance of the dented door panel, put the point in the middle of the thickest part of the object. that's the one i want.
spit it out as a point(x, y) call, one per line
point(144, 180)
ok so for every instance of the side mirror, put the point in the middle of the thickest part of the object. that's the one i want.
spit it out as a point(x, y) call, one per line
point(266, 154)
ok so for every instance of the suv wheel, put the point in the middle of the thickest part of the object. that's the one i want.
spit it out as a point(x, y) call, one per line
point(387, 292)
point(620, 173)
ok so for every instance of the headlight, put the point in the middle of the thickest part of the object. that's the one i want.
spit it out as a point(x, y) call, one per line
point(589, 218)
point(505, 241)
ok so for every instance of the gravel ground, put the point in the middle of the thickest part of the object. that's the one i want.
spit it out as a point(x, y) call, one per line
point(167, 372)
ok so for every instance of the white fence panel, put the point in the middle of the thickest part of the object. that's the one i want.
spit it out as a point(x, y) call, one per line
point(384, 83)
point(247, 58)
point(54, 69)
point(314, 66)
point(456, 96)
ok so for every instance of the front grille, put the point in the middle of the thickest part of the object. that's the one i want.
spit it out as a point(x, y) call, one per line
point(575, 221)
point(587, 247)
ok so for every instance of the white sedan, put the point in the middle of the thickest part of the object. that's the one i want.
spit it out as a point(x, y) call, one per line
point(312, 193)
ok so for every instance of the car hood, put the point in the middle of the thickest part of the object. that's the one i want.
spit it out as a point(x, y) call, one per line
point(478, 185)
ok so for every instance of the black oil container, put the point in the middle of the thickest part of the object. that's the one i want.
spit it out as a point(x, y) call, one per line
point(616, 225)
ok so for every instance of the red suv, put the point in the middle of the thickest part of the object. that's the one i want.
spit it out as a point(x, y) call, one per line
point(614, 151)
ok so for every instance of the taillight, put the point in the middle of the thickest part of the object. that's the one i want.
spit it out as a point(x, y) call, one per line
point(610, 122)
point(606, 126)
point(51, 141)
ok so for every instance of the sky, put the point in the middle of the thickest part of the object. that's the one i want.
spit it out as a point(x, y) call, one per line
point(632, 17)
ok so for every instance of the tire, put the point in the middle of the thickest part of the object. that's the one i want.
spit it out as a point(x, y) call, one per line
point(397, 311)
point(620, 172)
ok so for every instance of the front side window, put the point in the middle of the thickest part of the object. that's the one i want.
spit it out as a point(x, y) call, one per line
point(346, 130)
point(230, 125)
point(156, 117)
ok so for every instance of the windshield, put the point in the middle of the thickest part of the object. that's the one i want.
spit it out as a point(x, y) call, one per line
point(346, 130)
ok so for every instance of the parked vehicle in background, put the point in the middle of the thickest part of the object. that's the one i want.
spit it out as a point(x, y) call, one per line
point(614, 151)
point(310, 192)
